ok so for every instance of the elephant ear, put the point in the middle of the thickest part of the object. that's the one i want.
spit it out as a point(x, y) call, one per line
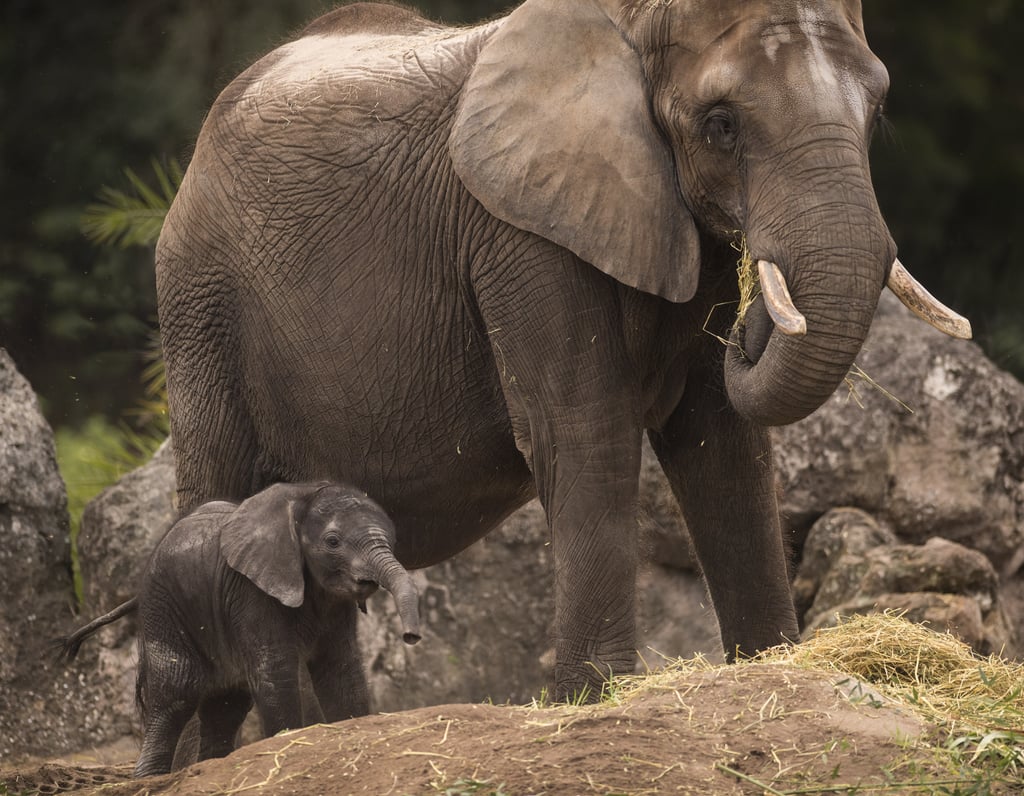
point(259, 539)
point(554, 134)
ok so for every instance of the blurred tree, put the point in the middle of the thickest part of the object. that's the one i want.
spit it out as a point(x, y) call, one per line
point(950, 172)
point(84, 95)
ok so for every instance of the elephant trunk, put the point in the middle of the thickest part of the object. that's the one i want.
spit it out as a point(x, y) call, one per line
point(825, 260)
point(384, 569)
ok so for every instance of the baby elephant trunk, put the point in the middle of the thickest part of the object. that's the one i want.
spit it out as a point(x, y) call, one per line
point(387, 572)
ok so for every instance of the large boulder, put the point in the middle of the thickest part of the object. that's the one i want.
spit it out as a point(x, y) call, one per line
point(44, 708)
point(929, 439)
point(35, 551)
point(926, 437)
point(852, 565)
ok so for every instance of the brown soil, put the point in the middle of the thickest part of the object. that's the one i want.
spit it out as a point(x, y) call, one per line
point(747, 729)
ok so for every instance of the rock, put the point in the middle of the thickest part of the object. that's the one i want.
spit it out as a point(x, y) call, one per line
point(41, 705)
point(118, 530)
point(842, 532)
point(36, 551)
point(858, 567)
point(952, 467)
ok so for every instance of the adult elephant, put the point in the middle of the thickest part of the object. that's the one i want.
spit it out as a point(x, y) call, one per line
point(463, 267)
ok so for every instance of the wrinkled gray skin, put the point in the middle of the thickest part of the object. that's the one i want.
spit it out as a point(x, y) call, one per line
point(237, 597)
point(461, 267)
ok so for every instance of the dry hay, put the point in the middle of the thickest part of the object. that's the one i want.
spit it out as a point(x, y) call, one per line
point(749, 285)
point(746, 278)
point(936, 674)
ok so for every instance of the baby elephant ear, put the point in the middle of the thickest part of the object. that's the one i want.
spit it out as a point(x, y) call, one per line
point(554, 134)
point(259, 540)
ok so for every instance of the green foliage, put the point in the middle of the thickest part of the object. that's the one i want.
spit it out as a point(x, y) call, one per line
point(96, 455)
point(126, 219)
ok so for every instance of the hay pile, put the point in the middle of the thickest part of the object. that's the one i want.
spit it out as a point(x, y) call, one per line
point(975, 703)
point(978, 703)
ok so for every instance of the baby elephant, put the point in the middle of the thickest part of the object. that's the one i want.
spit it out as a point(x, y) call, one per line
point(237, 596)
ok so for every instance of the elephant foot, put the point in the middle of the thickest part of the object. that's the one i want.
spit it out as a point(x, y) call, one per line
point(588, 681)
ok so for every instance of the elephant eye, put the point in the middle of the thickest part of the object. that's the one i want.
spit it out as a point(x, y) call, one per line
point(333, 541)
point(720, 129)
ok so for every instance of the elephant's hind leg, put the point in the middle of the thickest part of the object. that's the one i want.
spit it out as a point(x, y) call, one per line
point(220, 716)
point(169, 686)
point(167, 713)
point(214, 441)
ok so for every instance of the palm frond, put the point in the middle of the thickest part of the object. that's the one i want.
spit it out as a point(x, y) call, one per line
point(133, 218)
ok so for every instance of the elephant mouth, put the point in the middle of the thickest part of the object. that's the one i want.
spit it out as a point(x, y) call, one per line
point(365, 589)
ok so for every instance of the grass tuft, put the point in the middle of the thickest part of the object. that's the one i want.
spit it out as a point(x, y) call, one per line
point(856, 375)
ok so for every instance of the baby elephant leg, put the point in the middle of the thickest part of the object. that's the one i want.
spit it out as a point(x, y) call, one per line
point(169, 703)
point(336, 669)
point(220, 716)
point(275, 688)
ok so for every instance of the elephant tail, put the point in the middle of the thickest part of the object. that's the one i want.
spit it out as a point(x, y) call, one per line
point(68, 646)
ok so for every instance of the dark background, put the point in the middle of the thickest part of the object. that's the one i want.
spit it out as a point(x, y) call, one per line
point(89, 90)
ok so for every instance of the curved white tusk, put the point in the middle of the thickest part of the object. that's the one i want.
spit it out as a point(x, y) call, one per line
point(924, 305)
point(777, 300)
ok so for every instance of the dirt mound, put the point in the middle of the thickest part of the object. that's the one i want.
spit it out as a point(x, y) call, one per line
point(877, 704)
point(701, 732)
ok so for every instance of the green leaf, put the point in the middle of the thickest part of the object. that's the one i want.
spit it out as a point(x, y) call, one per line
point(133, 218)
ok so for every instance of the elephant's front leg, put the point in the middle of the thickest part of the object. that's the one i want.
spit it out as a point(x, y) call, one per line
point(720, 469)
point(336, 667)
point(572, 397)
point(589, 492)
point(273, 673)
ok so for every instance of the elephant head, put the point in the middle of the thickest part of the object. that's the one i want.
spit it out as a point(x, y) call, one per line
point(638, 134)
point(341, 537)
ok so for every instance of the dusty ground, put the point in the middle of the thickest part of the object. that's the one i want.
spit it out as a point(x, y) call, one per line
point(751, 729)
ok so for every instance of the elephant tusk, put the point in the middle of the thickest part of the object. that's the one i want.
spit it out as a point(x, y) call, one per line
point(924, 305)
point(777, 300)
